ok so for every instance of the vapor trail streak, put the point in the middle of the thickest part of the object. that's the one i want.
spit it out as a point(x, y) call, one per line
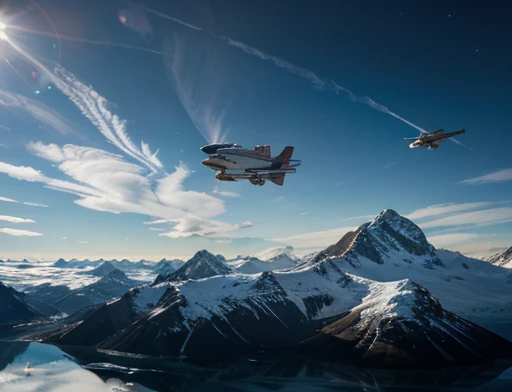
point(93, 106)
point(171, 18)
point(321, 84)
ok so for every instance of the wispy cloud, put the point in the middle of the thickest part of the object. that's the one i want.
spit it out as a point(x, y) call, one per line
point(157, 222)
point(35, 204)
point(480, 249)
point(15, 219)
point(360, 217)
point(338, 183)
point(37, 110)
point(447, 209)
point(478, 218)
point(106, 182)
point(6, 199)
point(197, 72)
point(225, 193)
point(19, 233)
point(84, 242)
point(497, 176)
point(388, 166)
point(156, 229)
point(451, 239)
point(5, 128)
point(315, 240)
point(94, 107)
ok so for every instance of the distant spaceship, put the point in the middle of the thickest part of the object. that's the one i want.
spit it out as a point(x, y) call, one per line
point(232, 162)
point(432, 140)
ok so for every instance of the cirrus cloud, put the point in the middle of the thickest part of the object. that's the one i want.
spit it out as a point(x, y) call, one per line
point(19, 233)
point(497, 176)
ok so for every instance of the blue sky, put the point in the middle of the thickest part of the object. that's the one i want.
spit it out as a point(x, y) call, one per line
point(104, 107)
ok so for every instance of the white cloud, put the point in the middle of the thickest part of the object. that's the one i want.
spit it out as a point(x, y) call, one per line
point(156, 229)
point(446, 209)
point(225, 193)
point(34, 108)
point(497, 176)
point(482, 217)
point(315, 240)
point(450, 239)
point(157, 222)
point(21, 172)
point(105, 182)
point(482, 248)
point(303, 213)
point(14, 219)
point(244, 225)
point(94, 107)
point(64, 238)
point(6, 199)
point(389, 165)
point(34, 204)
point(19, 233)
point(84, 242)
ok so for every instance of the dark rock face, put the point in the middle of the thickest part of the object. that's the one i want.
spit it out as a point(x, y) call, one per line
point(44, 297)
point(13, 308)
point(417, 333)
point(202, 265)
point(98, 325)
point(389, 236)
point(265, 321)
point(339, 248)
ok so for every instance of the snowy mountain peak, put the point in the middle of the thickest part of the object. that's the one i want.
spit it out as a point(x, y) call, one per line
point(104, 269)
point(391, 220)
point(392, 237)
point(502, 259)
point(202, 265)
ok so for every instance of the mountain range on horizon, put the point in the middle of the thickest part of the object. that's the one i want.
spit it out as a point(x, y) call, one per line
point(384, 274)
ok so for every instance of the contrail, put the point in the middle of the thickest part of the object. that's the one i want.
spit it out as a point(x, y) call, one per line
point(319, 83)
point(94, 107)
point(171, 18)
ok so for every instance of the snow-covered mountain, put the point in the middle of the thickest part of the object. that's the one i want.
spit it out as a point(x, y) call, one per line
point(503, 259)
point(268, 260)
point(276, 252)
point(392, 248)
point(13, 308)
point(112, 285)
point(380, 288)
point(164, 266)
point(102, 270)
point(202, 265)
point(394, 315)
point(242, 314)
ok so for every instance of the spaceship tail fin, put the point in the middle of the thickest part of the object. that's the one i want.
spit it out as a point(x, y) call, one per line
point(286, 155)
point(277, 179)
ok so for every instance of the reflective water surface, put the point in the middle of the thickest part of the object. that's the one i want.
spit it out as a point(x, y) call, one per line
point(40, 367)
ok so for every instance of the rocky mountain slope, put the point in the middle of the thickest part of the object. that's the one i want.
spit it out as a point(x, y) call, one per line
point(202, 265)
point(13, 308)
point(502, 259)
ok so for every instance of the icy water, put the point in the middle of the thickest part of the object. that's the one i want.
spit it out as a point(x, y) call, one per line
point(40, 367)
